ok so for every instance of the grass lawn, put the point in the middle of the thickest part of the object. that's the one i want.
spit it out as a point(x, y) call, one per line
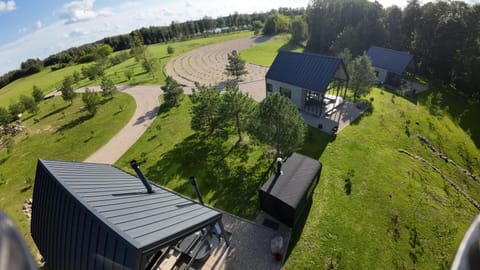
point(463, 111)
point(263, 54)
point(63, 133)
point(393, 198)
point(170, 152)
point(48, 81)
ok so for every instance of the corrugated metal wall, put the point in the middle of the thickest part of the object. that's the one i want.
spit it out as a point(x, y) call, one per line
point(70, 237)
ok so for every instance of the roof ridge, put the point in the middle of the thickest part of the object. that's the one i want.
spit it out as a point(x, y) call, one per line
point(310, 53)
point(390, 49)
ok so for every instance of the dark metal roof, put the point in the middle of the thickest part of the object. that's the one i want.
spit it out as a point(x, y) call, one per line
point(310, 71)
point(299, 172)
point(391, 60)
point(120, 200)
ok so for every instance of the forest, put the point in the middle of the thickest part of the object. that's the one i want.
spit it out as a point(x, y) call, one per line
point(444, 37)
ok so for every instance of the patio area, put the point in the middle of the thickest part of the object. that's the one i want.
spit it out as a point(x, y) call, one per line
point(334, 121)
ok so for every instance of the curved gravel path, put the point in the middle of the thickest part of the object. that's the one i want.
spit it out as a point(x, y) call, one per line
point(146, 98)
point(206, 65)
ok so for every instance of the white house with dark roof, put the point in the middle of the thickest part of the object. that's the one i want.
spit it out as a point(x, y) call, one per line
point(389, 64)
point(314, 83)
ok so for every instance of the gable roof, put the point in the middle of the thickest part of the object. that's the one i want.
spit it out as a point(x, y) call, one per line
point(391, 60)
point(121, 202)
point(306, 70)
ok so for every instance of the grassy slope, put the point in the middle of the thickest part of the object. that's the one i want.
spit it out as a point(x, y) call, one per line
point(264, 53)
point(356, 231)
point(464, 113)
point(352, 231)
point(48, 81)
point(64, 133)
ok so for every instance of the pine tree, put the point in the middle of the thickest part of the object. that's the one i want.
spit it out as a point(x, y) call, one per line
point(235, 66)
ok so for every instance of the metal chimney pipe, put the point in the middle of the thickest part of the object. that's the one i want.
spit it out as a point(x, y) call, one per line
point(279, 166)
point(135, 167)
point(193, 181)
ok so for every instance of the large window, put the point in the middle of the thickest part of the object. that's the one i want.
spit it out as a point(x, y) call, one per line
point(269, 88)
point(286, 92)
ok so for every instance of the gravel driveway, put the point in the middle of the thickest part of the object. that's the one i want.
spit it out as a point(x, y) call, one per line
point(146, 98)
point(206, 65)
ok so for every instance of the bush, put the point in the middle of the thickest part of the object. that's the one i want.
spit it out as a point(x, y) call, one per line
point(170, 49)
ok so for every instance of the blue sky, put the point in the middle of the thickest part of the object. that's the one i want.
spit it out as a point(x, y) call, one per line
point(36, 29)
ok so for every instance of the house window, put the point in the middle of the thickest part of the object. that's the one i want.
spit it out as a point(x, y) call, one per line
point(286, 92)
point(269, 88)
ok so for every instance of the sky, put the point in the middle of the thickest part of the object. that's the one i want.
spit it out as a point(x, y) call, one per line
point(37, 29)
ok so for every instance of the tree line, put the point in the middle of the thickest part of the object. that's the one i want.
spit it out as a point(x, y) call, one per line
point(444, 37)
point(150, 35)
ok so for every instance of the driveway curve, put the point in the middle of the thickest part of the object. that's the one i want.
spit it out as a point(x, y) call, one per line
point(146, 98)
point(206, 65)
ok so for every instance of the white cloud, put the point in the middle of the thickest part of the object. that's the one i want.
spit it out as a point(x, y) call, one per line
point(78, 11)
point(7, 5)
point(38, 24)
point(85, 24)
point(23, 30)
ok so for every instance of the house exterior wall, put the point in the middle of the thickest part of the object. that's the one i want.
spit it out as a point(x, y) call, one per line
point(381, 74)
point(297, 93)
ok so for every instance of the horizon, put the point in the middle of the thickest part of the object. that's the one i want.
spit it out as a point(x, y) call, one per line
point(36, 30)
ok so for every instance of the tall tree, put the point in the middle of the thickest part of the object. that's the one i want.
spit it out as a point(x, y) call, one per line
point(235, 66)
point(393, 28)
point(91, 99)
point(276, 23)
point(362, 76)
point(410, 20)
point(299, 29)
point(29, 104)
point(173, 92)
point(5, 117)
point(207, 104)
point(68, 94)
point(277, 122)
point(141, 54)
point(237, 109)
point(37, 94)
point(108, 87)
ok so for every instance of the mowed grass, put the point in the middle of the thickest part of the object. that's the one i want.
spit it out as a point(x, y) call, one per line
point(46, 80)
point(400, 212)
point(170, 152)
point(49, 80)
point(263, 54)
point(64, 133)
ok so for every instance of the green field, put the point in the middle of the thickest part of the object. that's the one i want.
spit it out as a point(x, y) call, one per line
point(392, 195)
point(354, 231)
point(49, 81)
point(63, 133)
point(170, 152)
point(263, 54)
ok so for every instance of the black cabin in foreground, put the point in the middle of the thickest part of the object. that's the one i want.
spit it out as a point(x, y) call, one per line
point(285, 196)
point(95, 216)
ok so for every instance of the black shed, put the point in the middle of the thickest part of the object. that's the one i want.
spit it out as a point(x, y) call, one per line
point(285, 196)
point(95, 216)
